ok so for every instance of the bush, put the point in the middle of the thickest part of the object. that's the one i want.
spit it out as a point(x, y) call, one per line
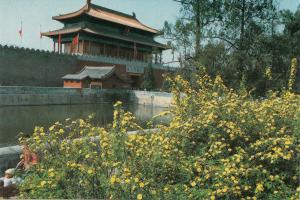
point(218, 145)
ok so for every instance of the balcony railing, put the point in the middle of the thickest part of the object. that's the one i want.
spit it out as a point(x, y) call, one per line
point(132, 66)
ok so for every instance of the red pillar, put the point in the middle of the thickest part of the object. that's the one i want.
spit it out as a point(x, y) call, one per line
point(60, 48)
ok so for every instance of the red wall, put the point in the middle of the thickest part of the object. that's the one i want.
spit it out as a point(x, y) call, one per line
point(72, 84)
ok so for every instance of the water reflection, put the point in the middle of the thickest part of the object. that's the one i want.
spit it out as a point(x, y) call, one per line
point(16, 119)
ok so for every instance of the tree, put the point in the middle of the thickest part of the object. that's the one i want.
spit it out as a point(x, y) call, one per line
point(193, 26)
point(292, 29)
point(244, 23)
point(166, 86)
point(148, 82)
point(239, 40)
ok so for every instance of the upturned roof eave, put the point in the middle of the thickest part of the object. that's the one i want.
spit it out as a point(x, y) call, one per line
point(86, 10)
point(80, 76)
point(63, 31)
point(71, 15)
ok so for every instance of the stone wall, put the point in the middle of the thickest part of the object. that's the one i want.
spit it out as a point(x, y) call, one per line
point(22, 95)
point(156, 99)
point(28, 67)
point(16, 96)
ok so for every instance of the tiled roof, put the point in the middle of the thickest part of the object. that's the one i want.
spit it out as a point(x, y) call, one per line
point(99, 73)
point(107, 15)
point(62, 31)
point(105, 33)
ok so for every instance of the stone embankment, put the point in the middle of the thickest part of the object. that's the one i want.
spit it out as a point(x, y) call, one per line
point(22, 96)
point(9, 157)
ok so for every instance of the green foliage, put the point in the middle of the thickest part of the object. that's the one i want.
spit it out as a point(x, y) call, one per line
point(166, 86)
point(292, 29)
point(193, 26)
point(148, 82)
point(239, 40)
point(219, 144)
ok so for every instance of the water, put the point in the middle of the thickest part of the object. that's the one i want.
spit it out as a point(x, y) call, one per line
point(16, 119)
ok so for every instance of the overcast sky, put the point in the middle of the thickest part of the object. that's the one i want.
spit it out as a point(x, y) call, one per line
point(37, 13)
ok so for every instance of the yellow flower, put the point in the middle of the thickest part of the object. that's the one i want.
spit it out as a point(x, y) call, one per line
point(118, 103)
point(127, 180)
point(104, 144)
point(193, 184)
point(51, 174)
point(139, 197)
point(51, 170)
point(43, 183)
point(73, 165)
point(259, 188)
point(113, 179)
point(36, 138)
point(51, 128)
point(115, 164)
point(268, 73)
point(142, 185)
point(288, 142)
point(90, 171)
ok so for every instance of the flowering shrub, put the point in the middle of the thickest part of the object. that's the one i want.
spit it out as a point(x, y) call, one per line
point(218, 145)
point(293, 73)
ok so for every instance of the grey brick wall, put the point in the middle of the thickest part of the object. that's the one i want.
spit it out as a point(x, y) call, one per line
point(19, 66)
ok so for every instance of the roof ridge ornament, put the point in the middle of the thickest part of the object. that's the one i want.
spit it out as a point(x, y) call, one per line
point(88, 3)
point(133, 15)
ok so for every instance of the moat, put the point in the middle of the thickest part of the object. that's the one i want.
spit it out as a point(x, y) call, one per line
point(16, 119)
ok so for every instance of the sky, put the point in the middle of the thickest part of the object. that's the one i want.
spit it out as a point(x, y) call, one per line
point(36, 15)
